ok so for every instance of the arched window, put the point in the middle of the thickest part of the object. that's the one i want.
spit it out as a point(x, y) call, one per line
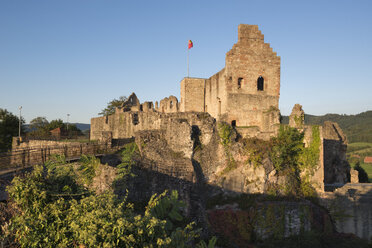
point(260, 83)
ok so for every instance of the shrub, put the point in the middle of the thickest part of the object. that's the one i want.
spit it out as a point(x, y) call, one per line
point(48, 216)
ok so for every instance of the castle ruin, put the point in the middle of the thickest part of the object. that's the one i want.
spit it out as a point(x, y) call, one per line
point(244, 94)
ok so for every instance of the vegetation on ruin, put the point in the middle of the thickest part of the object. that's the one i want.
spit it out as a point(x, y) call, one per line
point(266, 215)
point(290, 158)
point(298, 120)
point(112, 105)
point(256, 150)
point(225, 132)
point(50, 207)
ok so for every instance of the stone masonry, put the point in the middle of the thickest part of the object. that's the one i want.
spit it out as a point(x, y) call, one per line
point(245, 92)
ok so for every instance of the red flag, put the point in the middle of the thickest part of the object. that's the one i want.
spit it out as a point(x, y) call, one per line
point(190, 44)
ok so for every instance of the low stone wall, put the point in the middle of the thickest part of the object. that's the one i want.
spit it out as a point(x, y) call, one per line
point(351, 208)
point(39, 151)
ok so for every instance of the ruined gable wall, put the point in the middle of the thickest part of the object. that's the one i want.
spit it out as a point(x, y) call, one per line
point(250, 58)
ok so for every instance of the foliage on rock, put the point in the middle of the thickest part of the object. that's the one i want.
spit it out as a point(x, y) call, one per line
point(290, 158)
point(225, 132)
point(256, 150)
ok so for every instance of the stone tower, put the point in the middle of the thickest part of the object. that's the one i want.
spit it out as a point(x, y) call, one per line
point(246, 92)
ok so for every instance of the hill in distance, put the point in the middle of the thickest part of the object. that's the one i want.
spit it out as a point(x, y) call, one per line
point(358, 128)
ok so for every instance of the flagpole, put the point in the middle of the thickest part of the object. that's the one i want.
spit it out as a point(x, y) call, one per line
point(188, 62)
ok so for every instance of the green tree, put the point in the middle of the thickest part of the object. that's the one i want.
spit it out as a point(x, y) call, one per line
point(285, 155)
point(39, 123)
point(9, 125)
point(287, 147)
point(39, 127)
point(70, 129)
point(58, 123)
point(110, 109)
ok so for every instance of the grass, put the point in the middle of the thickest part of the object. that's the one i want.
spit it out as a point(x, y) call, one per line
point(361, 149)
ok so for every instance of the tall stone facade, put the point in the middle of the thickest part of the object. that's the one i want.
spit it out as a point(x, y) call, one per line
point(246, 92)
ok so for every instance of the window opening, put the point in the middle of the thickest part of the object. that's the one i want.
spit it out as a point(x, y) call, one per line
point(233, 123)
point(240, 82)
point(135, 120)
point(260, 83)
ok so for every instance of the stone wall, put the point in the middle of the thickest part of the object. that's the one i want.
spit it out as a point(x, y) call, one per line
point(336, 167)
point(192, 95)
point(248, 60)
point(350, 208)
point(233, 94)
point(169, 105)
point(215, 94)
point(124, 125)
point(39, 151)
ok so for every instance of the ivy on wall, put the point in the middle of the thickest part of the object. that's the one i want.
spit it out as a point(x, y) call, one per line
point(225, 131)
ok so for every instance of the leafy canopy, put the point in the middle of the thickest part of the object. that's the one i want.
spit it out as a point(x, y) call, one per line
point(110, 109)
point(41, 127)
point(9, 125)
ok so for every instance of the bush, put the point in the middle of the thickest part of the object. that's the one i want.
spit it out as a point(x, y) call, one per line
point(54, 210)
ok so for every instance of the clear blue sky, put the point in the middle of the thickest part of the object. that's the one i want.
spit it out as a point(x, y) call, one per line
point(73, 56)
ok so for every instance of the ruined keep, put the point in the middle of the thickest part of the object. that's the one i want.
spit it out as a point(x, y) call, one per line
point(246, 92)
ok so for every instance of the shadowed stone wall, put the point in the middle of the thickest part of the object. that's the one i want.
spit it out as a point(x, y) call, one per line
point(351, 208)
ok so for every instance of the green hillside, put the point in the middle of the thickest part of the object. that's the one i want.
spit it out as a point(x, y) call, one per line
point(358, 128)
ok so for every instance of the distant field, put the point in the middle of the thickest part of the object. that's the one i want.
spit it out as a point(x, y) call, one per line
point(360, 149)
